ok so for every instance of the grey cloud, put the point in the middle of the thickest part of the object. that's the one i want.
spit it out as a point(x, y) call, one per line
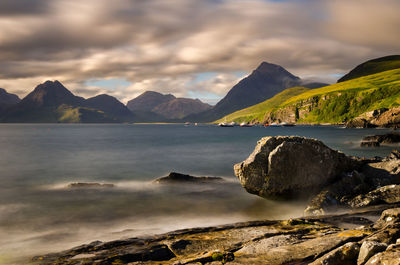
point(23, 7)
point(168, 41)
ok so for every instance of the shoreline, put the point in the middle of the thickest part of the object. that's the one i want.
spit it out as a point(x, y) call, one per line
point(300, 240)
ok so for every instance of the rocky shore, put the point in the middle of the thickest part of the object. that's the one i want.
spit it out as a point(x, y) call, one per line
point(368, 236)
point(353, 215)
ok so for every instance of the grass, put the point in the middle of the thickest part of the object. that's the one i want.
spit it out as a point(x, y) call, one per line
point(335, 103)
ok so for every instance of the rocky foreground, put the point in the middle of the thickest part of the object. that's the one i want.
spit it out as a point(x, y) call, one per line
point(352, 238)
point(365, 191)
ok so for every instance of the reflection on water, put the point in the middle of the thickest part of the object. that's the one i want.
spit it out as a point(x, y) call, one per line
point(38, 214)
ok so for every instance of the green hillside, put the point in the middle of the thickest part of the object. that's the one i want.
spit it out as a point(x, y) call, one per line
point(335, 103)
point(373, 67)
point(69, 114)
point(257, 112)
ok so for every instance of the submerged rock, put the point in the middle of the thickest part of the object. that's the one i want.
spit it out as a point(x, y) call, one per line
point(89, 185)
point(174, 177)
point(289, 166)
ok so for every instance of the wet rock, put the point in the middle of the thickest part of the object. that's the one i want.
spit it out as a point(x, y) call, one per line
point(344, 255)
point(377, 140)
point(288, 166)
point(387, 194)
point(369, 143)
point(174, 177)
point(89, 185)
point(369, 249)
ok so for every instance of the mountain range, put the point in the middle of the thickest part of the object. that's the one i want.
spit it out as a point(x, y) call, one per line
point(269, 93)
point(52, 102)
point(164, 107)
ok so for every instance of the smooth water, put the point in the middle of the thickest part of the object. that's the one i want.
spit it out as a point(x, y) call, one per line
point(38, 214)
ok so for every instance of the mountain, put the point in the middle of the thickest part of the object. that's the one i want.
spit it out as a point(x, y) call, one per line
point(373, 67)
point(110, 105)
point(337, 103)
point(263, 83)
point(153, 106)
point(7, 99)
point(178, 108)
point(257, 113)
point(147, 101)
point(52, 102)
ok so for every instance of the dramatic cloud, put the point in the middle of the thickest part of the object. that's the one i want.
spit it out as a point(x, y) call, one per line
point(163, 45)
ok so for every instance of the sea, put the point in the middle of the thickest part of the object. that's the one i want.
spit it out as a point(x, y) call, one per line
point(39, 214)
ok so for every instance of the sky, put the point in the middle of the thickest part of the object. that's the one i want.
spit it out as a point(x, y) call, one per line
point(189, 48)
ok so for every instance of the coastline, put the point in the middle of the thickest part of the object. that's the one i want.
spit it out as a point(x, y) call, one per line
point(295, 241)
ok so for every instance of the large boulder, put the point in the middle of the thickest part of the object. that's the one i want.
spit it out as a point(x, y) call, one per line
point(291, 166)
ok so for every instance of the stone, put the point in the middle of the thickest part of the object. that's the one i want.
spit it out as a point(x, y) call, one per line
point(369, 249)
point(387, 194)
point(289, 166)
point(389, 118)
point(388, 257)
point(174, 177)
point(344, 255)
point(377, 140)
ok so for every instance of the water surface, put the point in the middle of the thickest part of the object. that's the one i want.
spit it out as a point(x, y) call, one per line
point(38, 214)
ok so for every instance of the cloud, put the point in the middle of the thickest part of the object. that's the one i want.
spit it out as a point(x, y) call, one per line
point(163, 44)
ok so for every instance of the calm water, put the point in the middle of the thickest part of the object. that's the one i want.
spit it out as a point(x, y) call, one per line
point(38, 214)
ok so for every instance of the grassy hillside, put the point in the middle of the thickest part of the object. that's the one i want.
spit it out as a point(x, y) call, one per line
point(335, 103)
point(257, 112)
point(69, 114)
point(373, 67)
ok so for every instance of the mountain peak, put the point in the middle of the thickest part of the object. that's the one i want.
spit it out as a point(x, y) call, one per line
point(7, 98)
point(52, 93)
point(273, 69)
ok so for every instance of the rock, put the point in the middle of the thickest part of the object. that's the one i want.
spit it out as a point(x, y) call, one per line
point(390, 215)
point(387, 194)
point(369, 249)
point(377, 140)
point(389, 118)
point(344, 255)
point(359, 122)
point(322, 240)
point(288, 166)
point(388, 257)
point(89, 185)
point(174, 177)
point(369, 143)
point(336, 194)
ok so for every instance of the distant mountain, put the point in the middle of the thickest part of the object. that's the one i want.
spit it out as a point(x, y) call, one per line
point(372, 67)
point(181, 107)
point(153, 106)
point(7, 99)
point(110, 105)
point(147, 101)
point(52, 102)
point(263, 83)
